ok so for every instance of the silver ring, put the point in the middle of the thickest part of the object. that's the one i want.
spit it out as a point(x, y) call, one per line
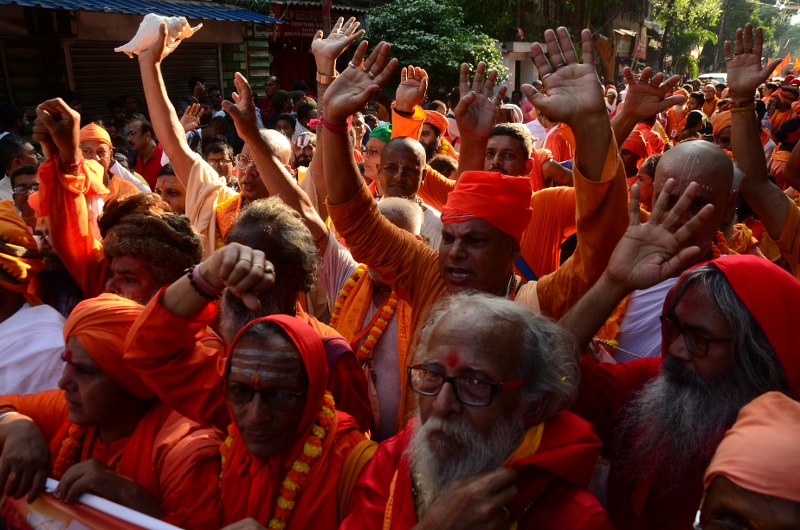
point(545, 76)
point(507, 512)
point(351, 65)
point(371, 76)
point(559, 65)
point(730, 57)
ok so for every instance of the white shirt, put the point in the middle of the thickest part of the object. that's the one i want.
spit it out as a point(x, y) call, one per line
point(6, 191)
point(31, 342)
point(538, 131)
point(640, 330)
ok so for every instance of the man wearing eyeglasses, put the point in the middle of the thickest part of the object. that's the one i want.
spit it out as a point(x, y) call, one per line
point(492, 444)
point(25, 181)
point(15, 152)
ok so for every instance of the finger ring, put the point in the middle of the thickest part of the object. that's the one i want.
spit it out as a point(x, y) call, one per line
point(507, 512)
point(730, 57)
point(369, 74)
point(245, 259)
point(559, 65)
point(351, 65)
point(747, 51)
point(545, 76)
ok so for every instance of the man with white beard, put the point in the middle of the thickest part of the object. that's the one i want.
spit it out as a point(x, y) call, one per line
point(726, 338)
point(492, 444)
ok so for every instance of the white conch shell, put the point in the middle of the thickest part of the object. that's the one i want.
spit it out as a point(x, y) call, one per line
point(177, 29)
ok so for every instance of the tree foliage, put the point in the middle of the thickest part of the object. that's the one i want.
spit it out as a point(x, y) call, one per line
point(684, 22)
point(434, 36)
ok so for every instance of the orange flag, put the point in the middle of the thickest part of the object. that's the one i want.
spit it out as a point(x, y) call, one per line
point(786, 60)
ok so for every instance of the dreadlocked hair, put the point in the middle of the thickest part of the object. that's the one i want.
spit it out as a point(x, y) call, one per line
point(142, 226)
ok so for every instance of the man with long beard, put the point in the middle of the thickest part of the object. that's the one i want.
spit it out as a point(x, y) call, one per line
point(492, 444)
point(726, 339)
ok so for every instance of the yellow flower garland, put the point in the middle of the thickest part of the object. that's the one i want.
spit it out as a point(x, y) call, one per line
point(297, 475)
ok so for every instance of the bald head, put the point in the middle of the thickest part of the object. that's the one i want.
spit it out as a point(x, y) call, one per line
point(278, 143)
point(404, 145)
point(401, 168)
point(708, 165)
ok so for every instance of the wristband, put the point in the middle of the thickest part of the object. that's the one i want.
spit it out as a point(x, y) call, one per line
point(336, 129)
point(201, 285)
point(326, 79)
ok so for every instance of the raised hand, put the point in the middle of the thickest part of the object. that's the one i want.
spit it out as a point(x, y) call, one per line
point(647, 96)
point(477, 108)
point(354, 87)
point(743, 63)
point(412, 88)
point(243, 110)
point(571, 88)
point(191, 118)
point(159, 50)
point(57, 127)
point(653, 251)
point(327, 50)
point(243, 270)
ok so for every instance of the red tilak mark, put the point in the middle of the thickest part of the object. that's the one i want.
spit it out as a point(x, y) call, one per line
point(452, 359)
point(255, 380)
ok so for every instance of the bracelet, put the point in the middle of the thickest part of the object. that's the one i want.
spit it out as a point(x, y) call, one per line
point(336, 129)
point(201, 285)
point(750, 107)
point(326, 79)
point(327, 233)
point(70, 169)
point(743, 103)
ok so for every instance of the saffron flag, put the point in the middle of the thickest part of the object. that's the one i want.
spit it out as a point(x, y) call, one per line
point(786, 60)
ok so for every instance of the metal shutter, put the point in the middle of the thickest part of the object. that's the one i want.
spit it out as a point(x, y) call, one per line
point(101, 74)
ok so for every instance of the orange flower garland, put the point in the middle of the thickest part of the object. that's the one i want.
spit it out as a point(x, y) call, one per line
point(70, 451)
point(720, 247)
point(345, 291)
point(297, 475)
point(380, 325)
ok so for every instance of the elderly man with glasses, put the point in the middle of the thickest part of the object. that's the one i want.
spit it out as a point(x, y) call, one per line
point(491, 444)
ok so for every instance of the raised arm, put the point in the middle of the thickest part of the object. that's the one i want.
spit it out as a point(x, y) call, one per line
point(647, 254)
point(646, 97)
point(475, 115)
point(745, 71)
point(574, 97)
point(165, 121)
point(273, 172)
point(351, 90)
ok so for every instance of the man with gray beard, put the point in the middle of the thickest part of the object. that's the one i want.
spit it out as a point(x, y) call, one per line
point(726, 338)
point(491, 445)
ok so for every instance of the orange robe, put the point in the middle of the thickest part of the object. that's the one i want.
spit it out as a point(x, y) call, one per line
point(226, 214)
point(540, 156)
point(552, 484)
point(776, 165)
point(676, 121)
point(709, 107)
point(190, 378)
point(558, 144)
point(778, 117)
point(414, 270)
point(174, 459)
point(655, 145)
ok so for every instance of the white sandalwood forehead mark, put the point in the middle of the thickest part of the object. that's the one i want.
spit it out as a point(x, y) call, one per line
point(250, 362)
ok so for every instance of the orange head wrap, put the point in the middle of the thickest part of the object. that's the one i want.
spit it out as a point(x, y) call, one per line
point(681, 92)
point(95, 133)
point(635, 143)
point(720, 120)
point(502, 201)
point(437, 119)
point(760, 452)
point(19, 255)
point(101, 325)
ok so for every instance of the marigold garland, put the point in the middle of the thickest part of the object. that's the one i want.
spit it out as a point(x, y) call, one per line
point(70, 451)
point(720, 246)
point(378, 324)
point(298, 472)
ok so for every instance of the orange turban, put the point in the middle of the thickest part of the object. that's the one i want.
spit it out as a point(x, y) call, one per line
point(635, 143)
point(19, 255)
point(437, 119)
point(760, 452)
point(101, 325)
point(95, 133)
point(720, 120)
point(502, 201)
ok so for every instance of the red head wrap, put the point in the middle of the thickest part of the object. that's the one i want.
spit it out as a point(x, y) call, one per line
point(101, 325)
point(635, 143)
point(502, 201)
point(770, 294)
point(437, 119)
point(760, 452)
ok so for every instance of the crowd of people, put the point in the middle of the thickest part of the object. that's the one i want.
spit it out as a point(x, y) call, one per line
point(341, 311)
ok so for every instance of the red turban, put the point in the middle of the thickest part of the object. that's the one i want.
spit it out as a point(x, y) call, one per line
point(501, 200)
point(635, 143)
point(437, 119)
point(720, 120)
point(101, 325)
point(760, 452)
point(95, 133)
point(770, 294)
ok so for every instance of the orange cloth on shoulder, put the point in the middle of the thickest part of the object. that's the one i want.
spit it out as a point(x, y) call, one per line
point(501, 200)
point(101, 325)
point(19, 255)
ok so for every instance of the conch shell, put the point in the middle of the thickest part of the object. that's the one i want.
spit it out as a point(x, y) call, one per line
point(178, 28)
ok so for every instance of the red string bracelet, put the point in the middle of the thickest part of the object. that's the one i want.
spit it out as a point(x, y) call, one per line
point(336, 129)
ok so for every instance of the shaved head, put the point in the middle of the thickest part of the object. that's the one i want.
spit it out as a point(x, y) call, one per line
point(403, 144)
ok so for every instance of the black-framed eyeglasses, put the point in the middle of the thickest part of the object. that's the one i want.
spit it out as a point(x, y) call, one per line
point(218, 161)
point(471, 391)
point(274, 398)
point(25, 190)
point(696, 342)
point(371, 152)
